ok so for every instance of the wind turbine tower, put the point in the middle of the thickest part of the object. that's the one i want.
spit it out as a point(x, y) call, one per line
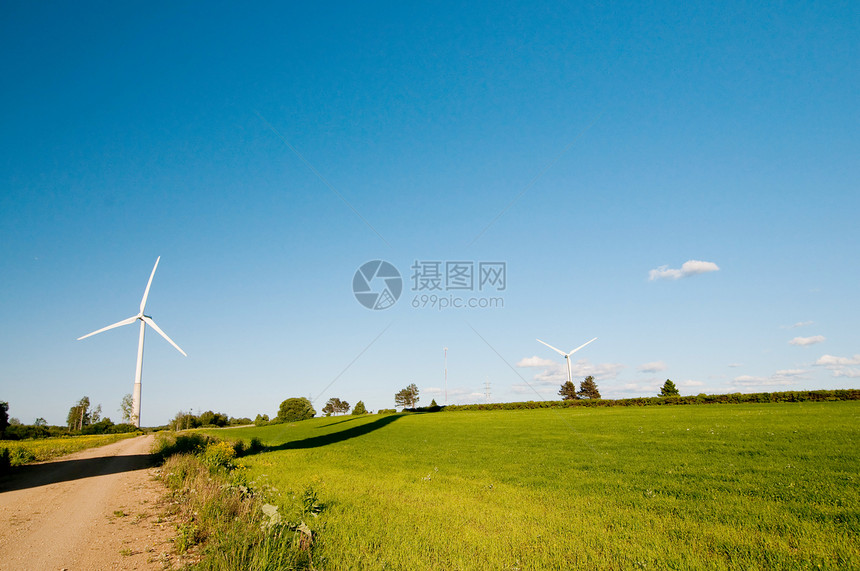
point(446, 375)
point(144, 321)
point(567, 355)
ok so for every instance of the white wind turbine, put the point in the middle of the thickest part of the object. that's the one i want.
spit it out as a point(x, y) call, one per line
point(567, 355)
point(144, 321)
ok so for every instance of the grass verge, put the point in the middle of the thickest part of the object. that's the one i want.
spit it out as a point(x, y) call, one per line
point(226, 521)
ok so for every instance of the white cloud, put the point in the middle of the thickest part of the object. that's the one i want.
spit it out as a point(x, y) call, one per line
point(846, 372)
point(735, 365)
point(831, 360)
point(748, 380)
point(805, 341)
point(790, 373)
point(536, 362)
point(522, 388)
point(555, 372)
point(653, 367)
point(782, 377)
point(799, 324)
point(692, 383)
point(456, 395)
point(840, 366)
point(689, 268)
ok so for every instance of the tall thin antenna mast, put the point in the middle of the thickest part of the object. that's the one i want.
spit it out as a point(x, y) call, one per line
point(446, 376)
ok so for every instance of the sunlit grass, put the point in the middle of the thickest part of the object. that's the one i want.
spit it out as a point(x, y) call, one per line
point(41, 449)
point(722, 486)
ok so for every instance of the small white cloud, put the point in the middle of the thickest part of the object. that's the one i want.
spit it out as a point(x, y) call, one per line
point(735, 365)
point(600, 371)
point(831, 360)
point(692, 383)
point(689, 268)
point(782, 377)
point(555, 372)
point(536, 362)
point(523, 389)
point(785, 373)
point(806, 341)
point(846, 372)
point(653, 367)
point(840, 366)
point(748, 379)
point(646, 387)
point(799, 324)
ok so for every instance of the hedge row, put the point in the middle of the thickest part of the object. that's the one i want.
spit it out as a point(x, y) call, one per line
point(733, 398)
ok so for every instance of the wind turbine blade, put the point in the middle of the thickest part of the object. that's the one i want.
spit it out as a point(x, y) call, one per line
point(581, 346)
point(149, 283)
point(151, 323)
point(117, 324)
point(559, 351)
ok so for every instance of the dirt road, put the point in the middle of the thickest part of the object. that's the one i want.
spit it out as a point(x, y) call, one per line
point(95, 509)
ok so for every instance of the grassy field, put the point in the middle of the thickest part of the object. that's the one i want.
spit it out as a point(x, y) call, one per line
point(690, 487)
point(41, 449)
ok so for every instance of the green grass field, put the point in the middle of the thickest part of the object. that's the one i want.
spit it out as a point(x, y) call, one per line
point(760, 486)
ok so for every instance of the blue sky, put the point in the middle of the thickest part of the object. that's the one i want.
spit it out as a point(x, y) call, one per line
point(267, 152)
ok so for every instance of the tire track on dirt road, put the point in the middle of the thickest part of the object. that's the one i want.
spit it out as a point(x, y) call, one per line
point(95, 509)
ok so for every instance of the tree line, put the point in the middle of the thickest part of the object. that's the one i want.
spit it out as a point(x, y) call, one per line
point(81, 419)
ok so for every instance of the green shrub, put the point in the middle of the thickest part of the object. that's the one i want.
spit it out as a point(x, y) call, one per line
point(387, 411)
point(219, 454)
point(296, 409)
point(169, 443)
point(123, 428)
point(21, 456)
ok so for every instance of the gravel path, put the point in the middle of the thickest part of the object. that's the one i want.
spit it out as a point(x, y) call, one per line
point(95, 509)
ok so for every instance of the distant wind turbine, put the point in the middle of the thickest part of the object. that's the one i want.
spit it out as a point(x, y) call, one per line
point(567, 355)
point(144, 321)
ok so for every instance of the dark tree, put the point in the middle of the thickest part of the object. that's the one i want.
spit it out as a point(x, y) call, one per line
point(295, 409)
point(4, 416)
point(669, 389)
point(79, 415)
point(408, 397)
point(210, 418)
point(126, 406)
point(588, 389)
point(335, 406)
point(359, 408)
point(184, 421)
point(568, 391)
